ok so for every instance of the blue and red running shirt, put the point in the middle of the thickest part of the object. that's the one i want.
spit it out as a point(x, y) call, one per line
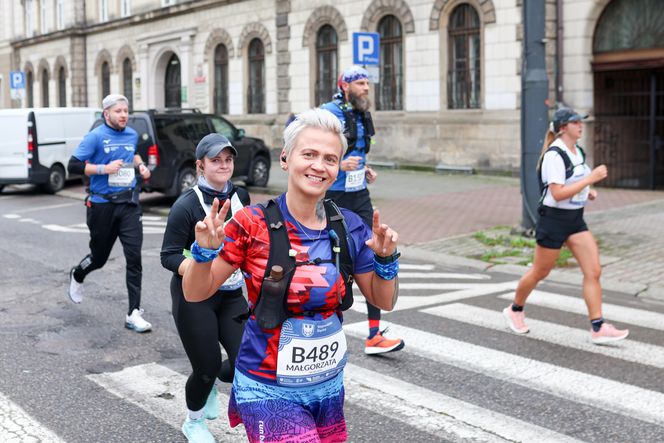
point(313, 288)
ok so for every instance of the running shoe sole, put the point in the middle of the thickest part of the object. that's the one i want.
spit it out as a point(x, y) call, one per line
point(607, 340)
point(511, 325)
point(373, 350)
point(134, 328)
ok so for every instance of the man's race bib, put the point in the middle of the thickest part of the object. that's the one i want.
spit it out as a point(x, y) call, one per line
point(123, 178)
point(355, 180)
point(310, 351)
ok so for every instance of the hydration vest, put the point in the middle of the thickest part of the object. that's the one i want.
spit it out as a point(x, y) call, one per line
point(279, 254)
point(350, 127)
point(569, 168)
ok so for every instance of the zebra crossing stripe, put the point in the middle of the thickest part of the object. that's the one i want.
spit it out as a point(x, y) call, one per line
point(436, 413)
point(413, 302)
point(16, 426)
point(160, 391)
point(447, 275)
point(628, 350)
point(611, 312)
point(598, 392)
point(416, 267)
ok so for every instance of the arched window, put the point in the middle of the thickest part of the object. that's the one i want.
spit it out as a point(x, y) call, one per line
point(29, 90)
point(390, 87)
point(463, 76)
point(173, 85)
point(44, 88)
point(127, 88)
point(221, 80)
point(62, 88)
point(256, 92)
point(630, 24)
point(326, 64)
point(105, 79)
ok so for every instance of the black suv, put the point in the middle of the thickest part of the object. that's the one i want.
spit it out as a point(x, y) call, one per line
point(167, 142)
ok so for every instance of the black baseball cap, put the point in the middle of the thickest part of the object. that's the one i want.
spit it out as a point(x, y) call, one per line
point(212, 144)
point(565, 115)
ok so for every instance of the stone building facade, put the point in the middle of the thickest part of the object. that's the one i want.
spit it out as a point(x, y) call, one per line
point(450, 74)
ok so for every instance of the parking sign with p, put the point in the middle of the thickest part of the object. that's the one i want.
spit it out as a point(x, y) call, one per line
point(366, 48)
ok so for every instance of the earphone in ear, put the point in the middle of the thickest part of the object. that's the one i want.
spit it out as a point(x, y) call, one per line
point(283, 158)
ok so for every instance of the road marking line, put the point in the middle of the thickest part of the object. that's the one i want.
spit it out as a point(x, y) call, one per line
point(11, 216)
point(448, 275)
point(411, 302)
point(43, 208)
point(433, 412)
point(416, 267)
point(17, 426)
point(611, 312)
point(159, 391)
point(591, 390)
point(628, 350)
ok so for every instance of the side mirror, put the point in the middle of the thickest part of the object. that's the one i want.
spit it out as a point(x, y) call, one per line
point(240, 133)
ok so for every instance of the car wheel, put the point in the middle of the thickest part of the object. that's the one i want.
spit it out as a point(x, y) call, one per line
point(187, 179)
point(259, 173)
point(56, 179)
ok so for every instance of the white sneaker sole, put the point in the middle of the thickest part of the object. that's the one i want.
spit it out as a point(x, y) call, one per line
point(134, 328)
point(606, 340)
point(511, 325)
point(376, 350)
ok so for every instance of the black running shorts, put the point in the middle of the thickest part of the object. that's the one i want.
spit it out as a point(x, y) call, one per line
point(556, 225)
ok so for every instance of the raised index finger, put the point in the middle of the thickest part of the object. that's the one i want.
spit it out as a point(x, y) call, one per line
point(376, 221)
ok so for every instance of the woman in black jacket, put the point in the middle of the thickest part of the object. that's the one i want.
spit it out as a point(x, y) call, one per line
point(202, 326)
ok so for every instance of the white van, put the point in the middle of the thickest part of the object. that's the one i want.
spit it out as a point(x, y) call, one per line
point(36, 144)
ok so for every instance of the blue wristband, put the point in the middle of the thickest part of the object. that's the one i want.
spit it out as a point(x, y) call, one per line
point(204, 255)
point(386, 271)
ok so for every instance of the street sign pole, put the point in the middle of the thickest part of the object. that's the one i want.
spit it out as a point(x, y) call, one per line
point(534, 109)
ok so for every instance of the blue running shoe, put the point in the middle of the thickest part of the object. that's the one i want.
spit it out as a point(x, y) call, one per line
point(197, 431)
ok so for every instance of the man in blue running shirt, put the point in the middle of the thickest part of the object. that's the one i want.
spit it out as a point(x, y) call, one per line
point(351, 106)
point(108, 156)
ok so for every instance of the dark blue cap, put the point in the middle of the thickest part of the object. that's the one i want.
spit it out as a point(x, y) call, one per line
point(565, 115)
point(212, 144)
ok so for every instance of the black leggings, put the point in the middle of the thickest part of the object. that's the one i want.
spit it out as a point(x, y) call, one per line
point(360, 203)
point(108, 222)
point(202, 326)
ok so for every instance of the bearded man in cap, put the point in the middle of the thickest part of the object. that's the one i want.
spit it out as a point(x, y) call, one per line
point(351, 106)
point(107, 155)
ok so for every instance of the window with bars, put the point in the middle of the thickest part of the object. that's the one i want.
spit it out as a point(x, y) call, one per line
point(105, 79)
point(390, 88)
point(44, 88)
point(62, 88)
point(463, 75)
point(256, 91)
point(127, 82)
point(326, 64)
point(220, 80)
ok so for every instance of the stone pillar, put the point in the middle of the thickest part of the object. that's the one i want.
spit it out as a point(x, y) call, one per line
point(146, 101)
point(78, 72)
point(283, 57)
point(185, 70)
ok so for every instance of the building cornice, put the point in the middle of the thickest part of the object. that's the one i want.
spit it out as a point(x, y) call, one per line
point(132, 20)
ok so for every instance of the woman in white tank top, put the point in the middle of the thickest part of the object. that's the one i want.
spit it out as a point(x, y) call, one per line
point(567, 181)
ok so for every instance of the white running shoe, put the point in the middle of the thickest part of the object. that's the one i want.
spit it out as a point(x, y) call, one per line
point(136, 321)
point(75, 288)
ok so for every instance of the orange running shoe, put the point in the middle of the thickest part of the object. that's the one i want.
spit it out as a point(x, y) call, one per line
point(378, 344)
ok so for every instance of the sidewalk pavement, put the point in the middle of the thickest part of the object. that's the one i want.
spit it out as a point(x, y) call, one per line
point(436, 215)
